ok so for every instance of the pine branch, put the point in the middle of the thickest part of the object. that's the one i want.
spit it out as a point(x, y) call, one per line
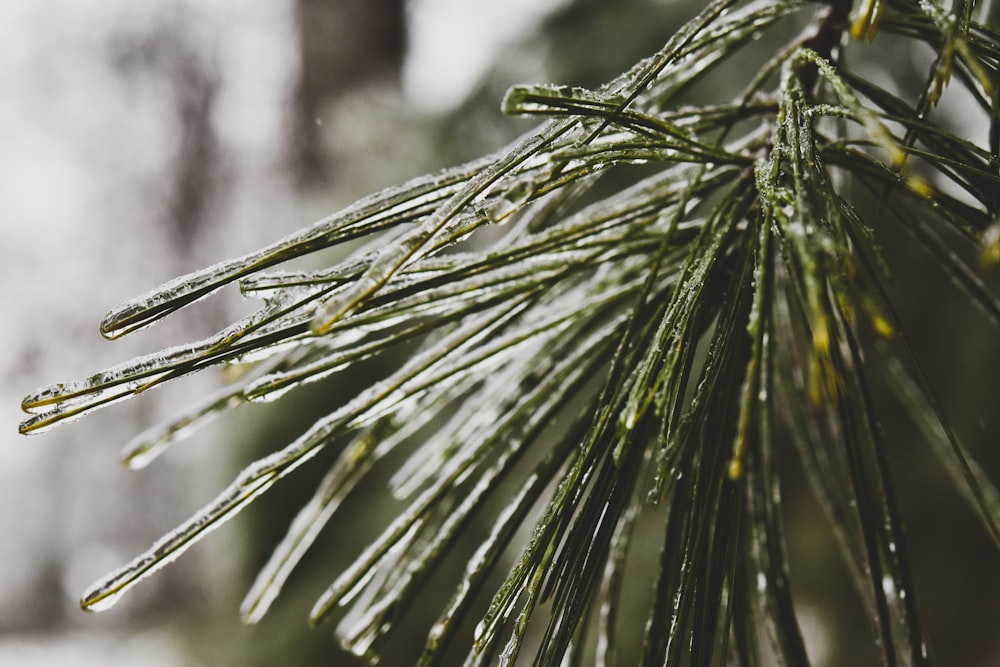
point(731, 294)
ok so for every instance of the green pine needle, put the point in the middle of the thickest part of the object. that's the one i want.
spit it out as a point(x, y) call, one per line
point(672, 328)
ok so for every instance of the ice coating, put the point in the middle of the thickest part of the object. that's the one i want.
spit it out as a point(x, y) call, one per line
point(648, 137)
point(271, 386)
point(367, 448)
point(286, 311)
point(281, 280)
point(275, 326)
point(248, 485)
point(463, 428)
point(145, 447)
point(106, 592)
point(392, 257)
point(259, 476)
point(378, 617)
point(143, 310)
point(453, 471)
point(304, 529)
point(374, 212)
point(138, 369)
point(461, 439)
point(65, 413)
point(545, 98)
point(479, 565)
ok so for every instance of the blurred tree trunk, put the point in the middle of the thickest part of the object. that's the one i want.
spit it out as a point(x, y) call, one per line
point(344, 43)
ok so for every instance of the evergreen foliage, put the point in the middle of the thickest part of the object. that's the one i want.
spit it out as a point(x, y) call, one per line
point(674, 289)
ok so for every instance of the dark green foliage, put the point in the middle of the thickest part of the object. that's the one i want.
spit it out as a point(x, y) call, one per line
point(621, 354)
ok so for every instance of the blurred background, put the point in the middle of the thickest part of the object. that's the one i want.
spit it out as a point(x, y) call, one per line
point(145, 140)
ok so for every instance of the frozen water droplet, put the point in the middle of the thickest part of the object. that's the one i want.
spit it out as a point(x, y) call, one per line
point(889, 588)
point(88, 603)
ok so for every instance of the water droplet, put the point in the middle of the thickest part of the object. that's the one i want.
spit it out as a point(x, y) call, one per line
point(889, 587)
point(479, 632)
